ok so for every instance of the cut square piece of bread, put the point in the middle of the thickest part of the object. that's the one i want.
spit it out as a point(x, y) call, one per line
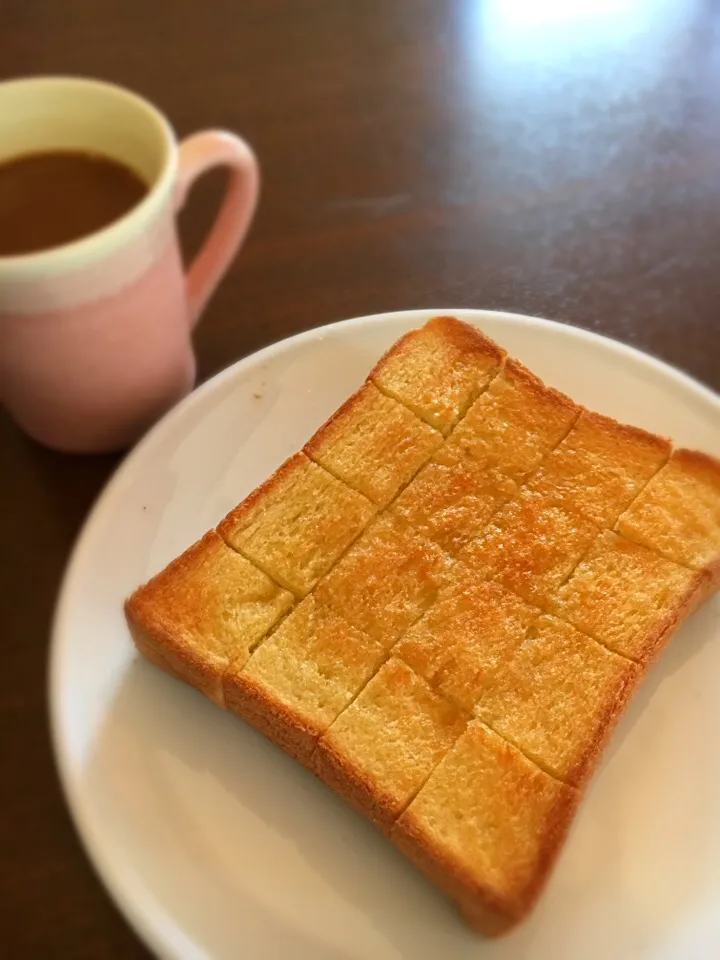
point(600, 466)
point(628, 597)
point(387, 579)
point(678, 513)
point(302, 676)
point(515, 423)
point(297, 523)
point(467, 635)
point(531, 546)
point(382, 748)
point(452, 498)
point(205, 610)
point(438, 370)
point(558, 697)
point(374, 444)
point(486, 828)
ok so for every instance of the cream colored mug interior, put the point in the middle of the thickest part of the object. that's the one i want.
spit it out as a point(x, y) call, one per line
point(64, 113)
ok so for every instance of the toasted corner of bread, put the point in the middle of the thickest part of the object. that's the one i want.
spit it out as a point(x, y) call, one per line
point(204, 611)
point(296, 524)
point(515, 422)
point(678, 513)
point(486, 828)
point(439, 369)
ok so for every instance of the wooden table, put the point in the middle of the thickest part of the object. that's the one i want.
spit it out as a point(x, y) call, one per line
point(508, 154)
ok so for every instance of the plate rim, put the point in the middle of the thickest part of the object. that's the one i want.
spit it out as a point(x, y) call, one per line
point(152, 925)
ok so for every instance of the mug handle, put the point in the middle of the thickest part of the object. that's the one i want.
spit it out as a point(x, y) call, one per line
point(197, 154)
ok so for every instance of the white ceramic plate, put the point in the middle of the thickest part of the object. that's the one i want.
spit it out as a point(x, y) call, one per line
point(214, 844)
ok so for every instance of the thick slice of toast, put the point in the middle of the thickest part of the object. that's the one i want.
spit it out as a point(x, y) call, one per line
point(380, 751)
point(514, 423)
point(302, 677)
point(203, 612)
point(446, 630)
point(438, 370)
point(374, 444)
point(297, 523)
point(486, 828)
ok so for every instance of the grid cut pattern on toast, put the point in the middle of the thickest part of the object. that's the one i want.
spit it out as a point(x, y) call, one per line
point(452, 499)
point(678, 513)
point(531, 545)
point(485, 828)
point(303, 676)
point(386, 580)
point(506, 522)
point(574, 684)
point(205, 611)
point(626, 596)
point(374, 444)
point(514, 423)
point(297, 524)
point(466, 636)
point(438, 370)
point(600, 466)
point(382, 748)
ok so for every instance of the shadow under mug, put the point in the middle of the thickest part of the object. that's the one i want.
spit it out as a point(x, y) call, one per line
point(95, 335)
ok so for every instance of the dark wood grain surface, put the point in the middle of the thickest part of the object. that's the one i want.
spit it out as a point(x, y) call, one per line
point(555, 158)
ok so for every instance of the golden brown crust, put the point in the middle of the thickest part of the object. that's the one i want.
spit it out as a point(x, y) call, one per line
point(273, 718)
point(332, 766)
point(701, 464)
point(517, 374)
point(284, 472)
point(707, 470)
point(205, 610)
point(518, 790)
point(485, 912)
point(180, 662)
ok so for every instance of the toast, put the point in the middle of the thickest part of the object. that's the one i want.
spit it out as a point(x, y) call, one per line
point(442, 605)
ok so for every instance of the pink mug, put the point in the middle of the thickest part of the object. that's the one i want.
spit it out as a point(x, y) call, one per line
point(95, 335)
